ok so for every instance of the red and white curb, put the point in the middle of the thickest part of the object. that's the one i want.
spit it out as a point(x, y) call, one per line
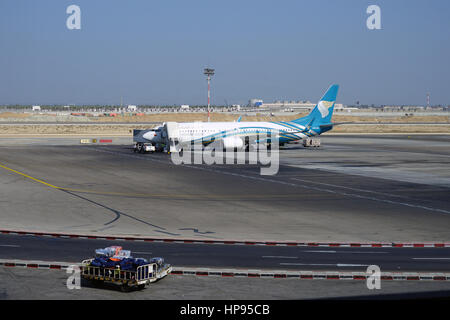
point(237, 242)
point(36, 264)
point(263, 274)
point(311, 275)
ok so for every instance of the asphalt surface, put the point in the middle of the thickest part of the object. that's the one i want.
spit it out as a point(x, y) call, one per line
point(18, 283)
point(233, 256)
point(353, 189)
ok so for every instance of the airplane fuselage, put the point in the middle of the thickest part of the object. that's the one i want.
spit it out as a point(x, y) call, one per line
point(234, 134)
point(210, 131)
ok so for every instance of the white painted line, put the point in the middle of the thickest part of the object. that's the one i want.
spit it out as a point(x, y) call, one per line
point(325, 264)
point(279, 257)
point(309, 187)
point(307, 264)
point(365, 252)
point(341, 252)
point(9, 245)
point(354, 189)
point(320, 251)
point(321, 189)
point(431, 258)
point(142, 252)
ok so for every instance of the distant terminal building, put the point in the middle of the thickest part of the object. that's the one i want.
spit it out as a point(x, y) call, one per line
point(300, 105)
point(402, 108)
point(184, 107)
point(255, 103)
point(291, 105)
point(412, 108)
point(131, 108)
point(36, 108)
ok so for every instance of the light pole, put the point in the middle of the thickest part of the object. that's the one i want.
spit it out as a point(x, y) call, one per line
point(208, 72)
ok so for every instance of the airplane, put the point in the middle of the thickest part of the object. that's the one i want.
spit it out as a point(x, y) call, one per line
point(234, 135)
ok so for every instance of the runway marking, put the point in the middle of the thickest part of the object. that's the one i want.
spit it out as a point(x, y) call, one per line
point(155, 195)
point(364, 252)
point(279, 257)
point(29, 177)
point(68, 191)
point(431, 258)
point(150, 158)
point(9, 245)
point(377, 149)
point(180, 196)
point(340, 252)
point(142, 252)
point(325, 264)
point(326, 190)
point(349, 188)
point(352, 265)
point(320, 251)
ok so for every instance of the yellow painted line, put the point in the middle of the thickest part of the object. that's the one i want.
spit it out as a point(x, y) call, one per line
point(174, 195)
point(29, 177)
point(155, 195)
point(190, 196)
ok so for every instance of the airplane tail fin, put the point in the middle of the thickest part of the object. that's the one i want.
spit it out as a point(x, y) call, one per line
point(321, 115)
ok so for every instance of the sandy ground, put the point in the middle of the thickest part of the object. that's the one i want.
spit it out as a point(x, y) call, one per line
point(71, 129)
point(383, 128)
point(13, 115)
point(438, 124)
point(193, 116)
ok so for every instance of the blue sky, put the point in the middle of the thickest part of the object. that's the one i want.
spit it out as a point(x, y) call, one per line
point(153, 52)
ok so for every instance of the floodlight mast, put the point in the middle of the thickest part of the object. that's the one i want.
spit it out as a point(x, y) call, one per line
point(208, 72)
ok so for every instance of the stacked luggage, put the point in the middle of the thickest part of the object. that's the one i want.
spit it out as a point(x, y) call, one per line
point(114, 256)
point(114, 265)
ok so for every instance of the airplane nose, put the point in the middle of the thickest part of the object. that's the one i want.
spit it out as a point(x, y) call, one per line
point(149, 135)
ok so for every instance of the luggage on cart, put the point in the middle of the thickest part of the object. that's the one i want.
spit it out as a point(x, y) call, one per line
point(117, 266)
point(108, 251)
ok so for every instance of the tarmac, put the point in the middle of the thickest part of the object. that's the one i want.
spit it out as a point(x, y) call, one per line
point(353, 188)
point(31, 284)
point(242, 257)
